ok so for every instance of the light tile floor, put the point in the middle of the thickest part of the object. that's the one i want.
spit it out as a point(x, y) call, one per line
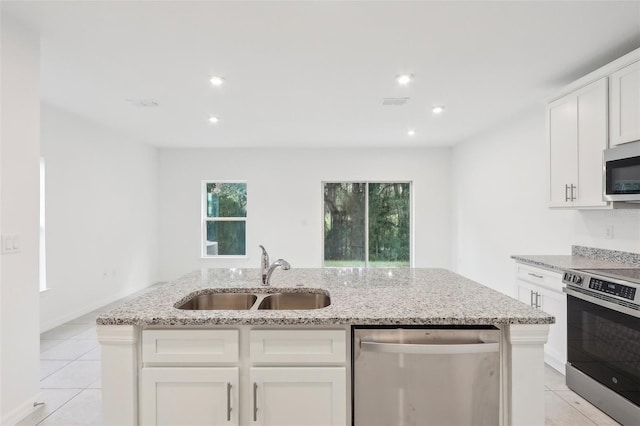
point(71, 384)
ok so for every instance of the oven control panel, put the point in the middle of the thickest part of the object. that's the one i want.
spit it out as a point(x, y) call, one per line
point(615, 289)
point(600, 285)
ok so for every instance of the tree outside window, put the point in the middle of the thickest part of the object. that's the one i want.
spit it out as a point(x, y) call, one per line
point(367, 224)
point(225, 219)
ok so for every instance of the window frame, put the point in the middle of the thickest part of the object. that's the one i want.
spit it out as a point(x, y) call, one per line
point(204, 219)
point(366, 219)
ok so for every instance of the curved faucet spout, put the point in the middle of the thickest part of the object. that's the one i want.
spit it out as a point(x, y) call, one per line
point(278, 263)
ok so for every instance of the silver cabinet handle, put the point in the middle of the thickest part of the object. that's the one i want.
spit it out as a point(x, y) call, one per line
point(427, 349)
point(573, 198)
point(535, 275)
point(228, 401)
point(531, 293)
point(255, 402)
point(566, 193)
point(538, 297)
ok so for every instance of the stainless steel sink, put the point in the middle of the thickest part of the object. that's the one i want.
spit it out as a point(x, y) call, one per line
point(220, 301)
point(290, 301)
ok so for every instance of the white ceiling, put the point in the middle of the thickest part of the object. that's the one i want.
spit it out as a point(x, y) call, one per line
point(314, 73)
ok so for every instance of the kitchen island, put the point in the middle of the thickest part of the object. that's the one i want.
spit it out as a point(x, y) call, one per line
point(144, 339)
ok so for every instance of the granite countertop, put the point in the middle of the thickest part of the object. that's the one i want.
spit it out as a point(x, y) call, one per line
point(561, 263)
point(583, 258)
point(358, 296)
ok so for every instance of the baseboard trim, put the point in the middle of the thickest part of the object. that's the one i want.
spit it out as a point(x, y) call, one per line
point(22, 410)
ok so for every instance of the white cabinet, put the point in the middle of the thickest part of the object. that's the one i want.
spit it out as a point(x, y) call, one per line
point(577, 135)
point(542, 289)
point(189, 396)
point(275, 377)
point(624, 120)
point(299, 396)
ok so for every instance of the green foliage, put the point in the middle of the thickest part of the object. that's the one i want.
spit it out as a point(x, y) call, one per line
point(227, 200)
point(389, 224)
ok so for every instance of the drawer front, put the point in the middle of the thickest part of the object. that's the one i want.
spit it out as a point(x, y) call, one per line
point(189, 346)
point(540, 277)
point(298, 346)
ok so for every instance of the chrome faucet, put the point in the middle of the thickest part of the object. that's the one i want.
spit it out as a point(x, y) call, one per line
point(267, 270)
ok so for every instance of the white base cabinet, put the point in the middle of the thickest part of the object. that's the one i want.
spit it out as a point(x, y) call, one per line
point(212, 376)
point(542, 289)
point(189, 396)
point(299, 396)
point(283, 377)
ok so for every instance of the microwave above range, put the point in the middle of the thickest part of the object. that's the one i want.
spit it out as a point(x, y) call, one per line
point(622, 172)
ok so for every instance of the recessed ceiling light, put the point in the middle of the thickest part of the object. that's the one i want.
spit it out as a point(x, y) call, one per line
point(411, 132)
point(216, 81)
point(404, 79)
point(437, 109)
point(213, 119)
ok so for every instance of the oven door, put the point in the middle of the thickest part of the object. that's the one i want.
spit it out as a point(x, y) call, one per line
point(604, 343)
point(622, 173)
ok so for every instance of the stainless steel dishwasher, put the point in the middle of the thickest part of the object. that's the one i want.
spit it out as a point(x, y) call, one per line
point(426, 376)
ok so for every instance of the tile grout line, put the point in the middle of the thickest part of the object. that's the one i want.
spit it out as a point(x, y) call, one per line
point(65, 403)
point(591, 422)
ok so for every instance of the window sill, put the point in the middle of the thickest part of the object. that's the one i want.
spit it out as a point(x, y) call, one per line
point(223, 257)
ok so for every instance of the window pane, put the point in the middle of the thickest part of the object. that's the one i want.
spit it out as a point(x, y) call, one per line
point(226, 199)
point(389, 224)
point(226, 238)
point(344, 224)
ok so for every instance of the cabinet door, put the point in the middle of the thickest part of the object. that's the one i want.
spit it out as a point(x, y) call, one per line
point(562, 118)
point(526, 293)
point(592, 140)
point(555, 350)
point(189, 396)
point(625, 105)
point(298, 396)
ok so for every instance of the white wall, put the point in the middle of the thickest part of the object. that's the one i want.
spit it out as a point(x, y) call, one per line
point(102, 218)
point(285, 200)
point(19, 327)
point(500, 201)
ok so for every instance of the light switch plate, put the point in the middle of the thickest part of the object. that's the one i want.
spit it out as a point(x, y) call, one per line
point(10, 244)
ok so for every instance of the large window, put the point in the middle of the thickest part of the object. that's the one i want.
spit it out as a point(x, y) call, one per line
point(367, 224)
point(224, 226)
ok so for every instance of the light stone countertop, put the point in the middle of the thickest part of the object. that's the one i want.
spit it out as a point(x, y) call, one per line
point(561, 263)
point(402, 296)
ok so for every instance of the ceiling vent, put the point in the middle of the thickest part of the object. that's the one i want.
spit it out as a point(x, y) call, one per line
point(394, 101)
point(143, 103)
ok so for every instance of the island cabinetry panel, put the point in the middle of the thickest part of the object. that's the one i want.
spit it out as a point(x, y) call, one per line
point(577, 135)
point(542, 289)
point(243, 376)
point(624, 119)
point(299, 396)
point(189, 396)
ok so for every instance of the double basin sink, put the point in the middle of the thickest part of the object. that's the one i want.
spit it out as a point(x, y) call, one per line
point(231, 300)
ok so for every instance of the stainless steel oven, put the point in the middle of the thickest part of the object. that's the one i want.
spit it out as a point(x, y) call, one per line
point(622, 172)
point(603, 340)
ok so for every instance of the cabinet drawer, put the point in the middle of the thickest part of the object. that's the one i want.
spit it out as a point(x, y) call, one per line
point(189, 346)
point(540, 277)
point(298, 346)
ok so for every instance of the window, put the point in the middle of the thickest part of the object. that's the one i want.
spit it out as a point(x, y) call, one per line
point(367, 224)
point(224, 225)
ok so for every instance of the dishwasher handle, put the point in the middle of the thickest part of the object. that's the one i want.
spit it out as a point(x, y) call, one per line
point(430, 349)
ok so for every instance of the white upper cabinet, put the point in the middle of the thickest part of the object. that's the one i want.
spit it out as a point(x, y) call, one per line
point(625, 105)
point(577, 135)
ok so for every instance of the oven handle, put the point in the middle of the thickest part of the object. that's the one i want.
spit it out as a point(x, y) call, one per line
point(426, 349)
point(603, 303)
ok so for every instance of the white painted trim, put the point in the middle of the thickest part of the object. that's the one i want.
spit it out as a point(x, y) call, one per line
point(528, 334)
point(117, 334)
point(526, 380)
point(22, 410)
point(603, 71)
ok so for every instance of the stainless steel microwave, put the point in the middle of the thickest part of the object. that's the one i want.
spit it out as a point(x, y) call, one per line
point(622, 172)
